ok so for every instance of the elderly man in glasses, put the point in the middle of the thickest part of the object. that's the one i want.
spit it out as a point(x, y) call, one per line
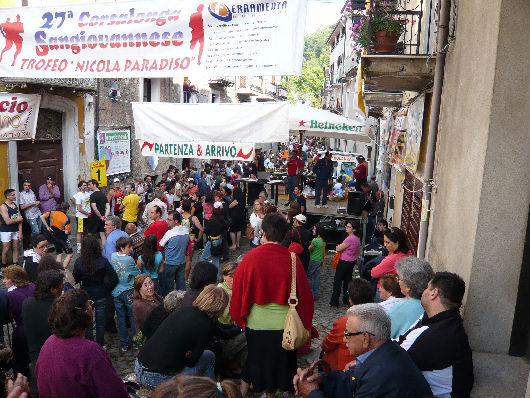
point(381, 369)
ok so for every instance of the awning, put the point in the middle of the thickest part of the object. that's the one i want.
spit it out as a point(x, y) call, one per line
point(206, 131)
point(322, 123)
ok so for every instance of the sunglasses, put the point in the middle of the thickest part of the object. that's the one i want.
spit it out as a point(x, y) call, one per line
point(348, 334)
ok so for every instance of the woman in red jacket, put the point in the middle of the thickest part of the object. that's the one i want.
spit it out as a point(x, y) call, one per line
point(396, 243)
point(260, 290)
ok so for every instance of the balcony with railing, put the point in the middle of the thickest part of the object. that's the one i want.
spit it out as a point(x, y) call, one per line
point(405, 64)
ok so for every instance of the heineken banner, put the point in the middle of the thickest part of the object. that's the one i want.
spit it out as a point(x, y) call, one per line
point(155, 38)
point(198, 150)
point(223, 124)
point(18, 116)
point(323, 123)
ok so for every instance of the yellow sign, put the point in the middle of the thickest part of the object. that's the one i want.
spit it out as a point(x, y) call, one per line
point(98, 172)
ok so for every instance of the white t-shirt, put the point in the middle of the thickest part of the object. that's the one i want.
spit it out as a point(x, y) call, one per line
point(83, 199)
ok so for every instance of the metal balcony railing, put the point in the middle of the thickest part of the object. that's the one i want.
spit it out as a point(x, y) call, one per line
point(410, 40)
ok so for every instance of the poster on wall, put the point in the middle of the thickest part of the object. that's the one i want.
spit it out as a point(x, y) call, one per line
point(155, 38)
point(18, 116)
point(397, 138)
point(114, 147)
point(414, 133)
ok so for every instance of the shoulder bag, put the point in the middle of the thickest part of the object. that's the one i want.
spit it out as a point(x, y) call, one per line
point(294, 333)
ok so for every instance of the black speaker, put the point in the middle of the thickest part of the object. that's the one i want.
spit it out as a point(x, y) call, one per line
point(355, 203)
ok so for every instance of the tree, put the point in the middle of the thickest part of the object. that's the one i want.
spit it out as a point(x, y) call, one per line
point(316, 57)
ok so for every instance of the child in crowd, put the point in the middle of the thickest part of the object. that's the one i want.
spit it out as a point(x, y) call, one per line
point(123, 293)
point(317, 249)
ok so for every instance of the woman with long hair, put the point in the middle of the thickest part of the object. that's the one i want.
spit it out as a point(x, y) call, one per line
point(256, 216)
point(95, 275)
point(151, 261)
point(196, 387)
point(395, 242)
point(237, 215)
point(343, 274)
point(145, 299)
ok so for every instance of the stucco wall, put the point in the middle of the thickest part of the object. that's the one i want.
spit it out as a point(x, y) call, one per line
point(482, 174)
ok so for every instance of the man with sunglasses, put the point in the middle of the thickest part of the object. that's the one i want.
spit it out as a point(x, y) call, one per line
point(382, 368)
point(49, 194)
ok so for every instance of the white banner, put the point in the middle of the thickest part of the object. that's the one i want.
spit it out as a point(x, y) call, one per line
point(154, 38)
point(114, 147)
point(220, 123)
point(198, 150)
point(18, 116)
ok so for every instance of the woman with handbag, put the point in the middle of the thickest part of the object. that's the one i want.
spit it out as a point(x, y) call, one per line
point(343, 274)
point(261, 290)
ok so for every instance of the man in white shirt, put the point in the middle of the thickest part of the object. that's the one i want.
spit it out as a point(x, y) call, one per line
point(82, 211)
point(30, 206)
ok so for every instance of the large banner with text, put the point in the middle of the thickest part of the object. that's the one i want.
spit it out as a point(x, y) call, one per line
point(18, 116)
point(153, 39)
point(198, 150)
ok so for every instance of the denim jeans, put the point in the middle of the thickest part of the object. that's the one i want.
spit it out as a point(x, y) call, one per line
point(370, 228)
point(207, 253)
point(124, 304)
point(172, 274)
point(99, 312)
point(35, 224)
point(204, 367)
point(313, 275)
point(291, 183)
point(321, 185)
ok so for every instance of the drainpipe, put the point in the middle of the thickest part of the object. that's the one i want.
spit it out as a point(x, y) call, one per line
point(443, 32)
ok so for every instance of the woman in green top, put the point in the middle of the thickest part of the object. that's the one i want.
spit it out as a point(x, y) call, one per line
point(316, 249)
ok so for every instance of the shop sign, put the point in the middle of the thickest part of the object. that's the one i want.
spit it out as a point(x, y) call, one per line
point(155, 38)
point(98, 172)
point(114, 147)
point(319, 125)
point(18, 116)
point(198, 150)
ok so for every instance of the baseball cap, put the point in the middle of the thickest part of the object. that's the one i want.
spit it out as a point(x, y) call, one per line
point(116, 179)
point(27, 180)
point(50, 177)
point(300, 218)
point(360, 157)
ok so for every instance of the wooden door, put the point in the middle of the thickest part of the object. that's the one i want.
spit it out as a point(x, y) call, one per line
point(411, 210)
point(38, 159)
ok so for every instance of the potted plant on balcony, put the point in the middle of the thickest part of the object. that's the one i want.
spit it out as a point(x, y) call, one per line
point(376, 29)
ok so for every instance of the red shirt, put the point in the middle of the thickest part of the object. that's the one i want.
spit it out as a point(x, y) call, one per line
point(335, 351)
point(157, 228)
point(361, 171)
point(294, 166)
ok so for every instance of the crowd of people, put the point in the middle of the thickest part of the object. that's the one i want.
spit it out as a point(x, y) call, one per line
point(191, 323)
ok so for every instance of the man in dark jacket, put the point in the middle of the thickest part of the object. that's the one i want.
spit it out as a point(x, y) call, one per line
point(323, 169)
point(438, 343)
point(382, 368)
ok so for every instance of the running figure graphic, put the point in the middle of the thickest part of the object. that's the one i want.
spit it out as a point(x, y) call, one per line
point(11, 31)
point(197, 31)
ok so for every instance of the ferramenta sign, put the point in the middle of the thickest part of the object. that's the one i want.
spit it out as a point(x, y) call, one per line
point(198, 150)
point(18, 116)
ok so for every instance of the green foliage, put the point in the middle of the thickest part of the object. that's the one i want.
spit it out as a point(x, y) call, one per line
point(316, 58)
